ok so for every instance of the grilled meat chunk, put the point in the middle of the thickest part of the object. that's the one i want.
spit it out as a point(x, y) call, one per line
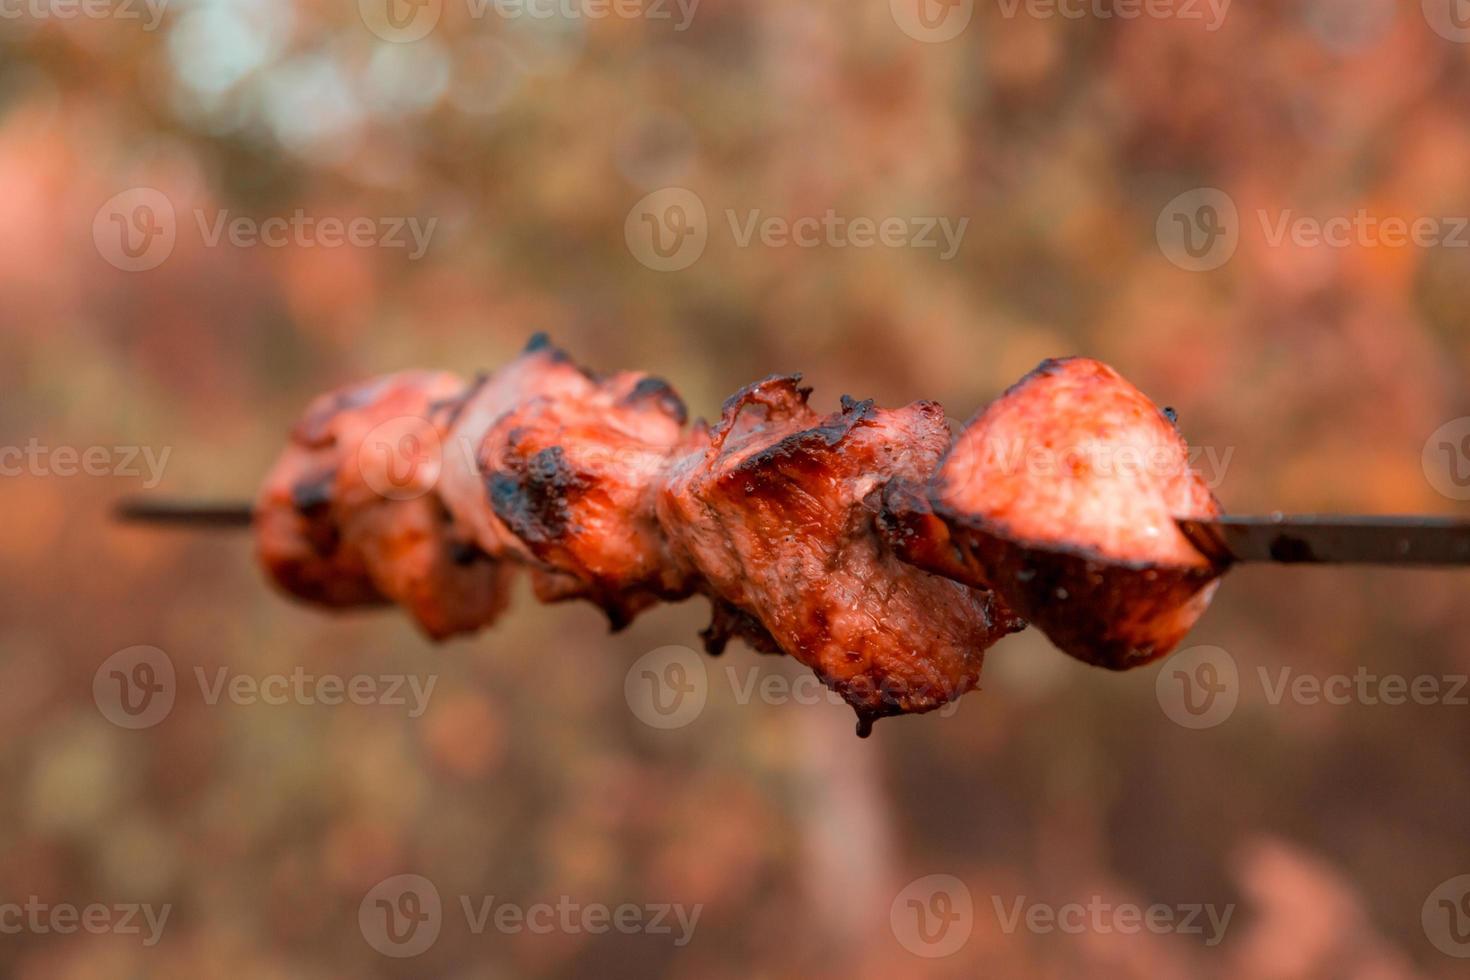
point(347, 516)
point(1061, 496)
point(542, 370)
point(574, 477)
point(775, 507)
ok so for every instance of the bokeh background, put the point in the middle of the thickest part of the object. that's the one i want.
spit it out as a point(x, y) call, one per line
point(1322, 371)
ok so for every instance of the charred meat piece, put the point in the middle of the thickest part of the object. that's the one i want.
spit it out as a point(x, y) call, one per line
point(1061, 495)
point(541, 370)
point(574, 477)
point(347, 516)
point(775, 507)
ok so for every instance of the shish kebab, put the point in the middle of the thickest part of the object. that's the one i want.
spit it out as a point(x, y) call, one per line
point(868, 543)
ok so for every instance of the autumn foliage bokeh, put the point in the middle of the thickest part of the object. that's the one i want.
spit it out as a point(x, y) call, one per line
point(1321, 371)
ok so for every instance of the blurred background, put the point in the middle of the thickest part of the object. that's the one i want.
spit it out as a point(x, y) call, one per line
point(150, 310)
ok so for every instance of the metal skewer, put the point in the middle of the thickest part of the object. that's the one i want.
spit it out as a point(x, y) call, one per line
point(1408, 540)
point(184, 513)
point(1332, 539)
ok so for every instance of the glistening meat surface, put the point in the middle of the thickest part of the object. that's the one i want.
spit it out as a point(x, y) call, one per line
point(775, 508)
point(1061, 495)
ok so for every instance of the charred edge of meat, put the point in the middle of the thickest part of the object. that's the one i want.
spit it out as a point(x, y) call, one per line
point(662, 394)
point(312, 500)
point(962, 523)
point(533, 497)
point(780, 394)
point(907, 524)
point(729, 622)
point(1102, 610)
point(801, 449)
point(541, 343)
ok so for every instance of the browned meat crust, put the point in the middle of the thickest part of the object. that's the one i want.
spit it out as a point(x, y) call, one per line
point(1061, 496)
point(775, 509)
point(574, 478)
point(327, 533)
point(541, 371)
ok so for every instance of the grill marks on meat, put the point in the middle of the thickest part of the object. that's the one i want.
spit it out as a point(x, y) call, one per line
point(574, 478)
point(1061, 495)
point(325, 535)
point(775, 508)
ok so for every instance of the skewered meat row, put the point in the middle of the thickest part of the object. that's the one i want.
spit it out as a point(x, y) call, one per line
point(861, 542)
